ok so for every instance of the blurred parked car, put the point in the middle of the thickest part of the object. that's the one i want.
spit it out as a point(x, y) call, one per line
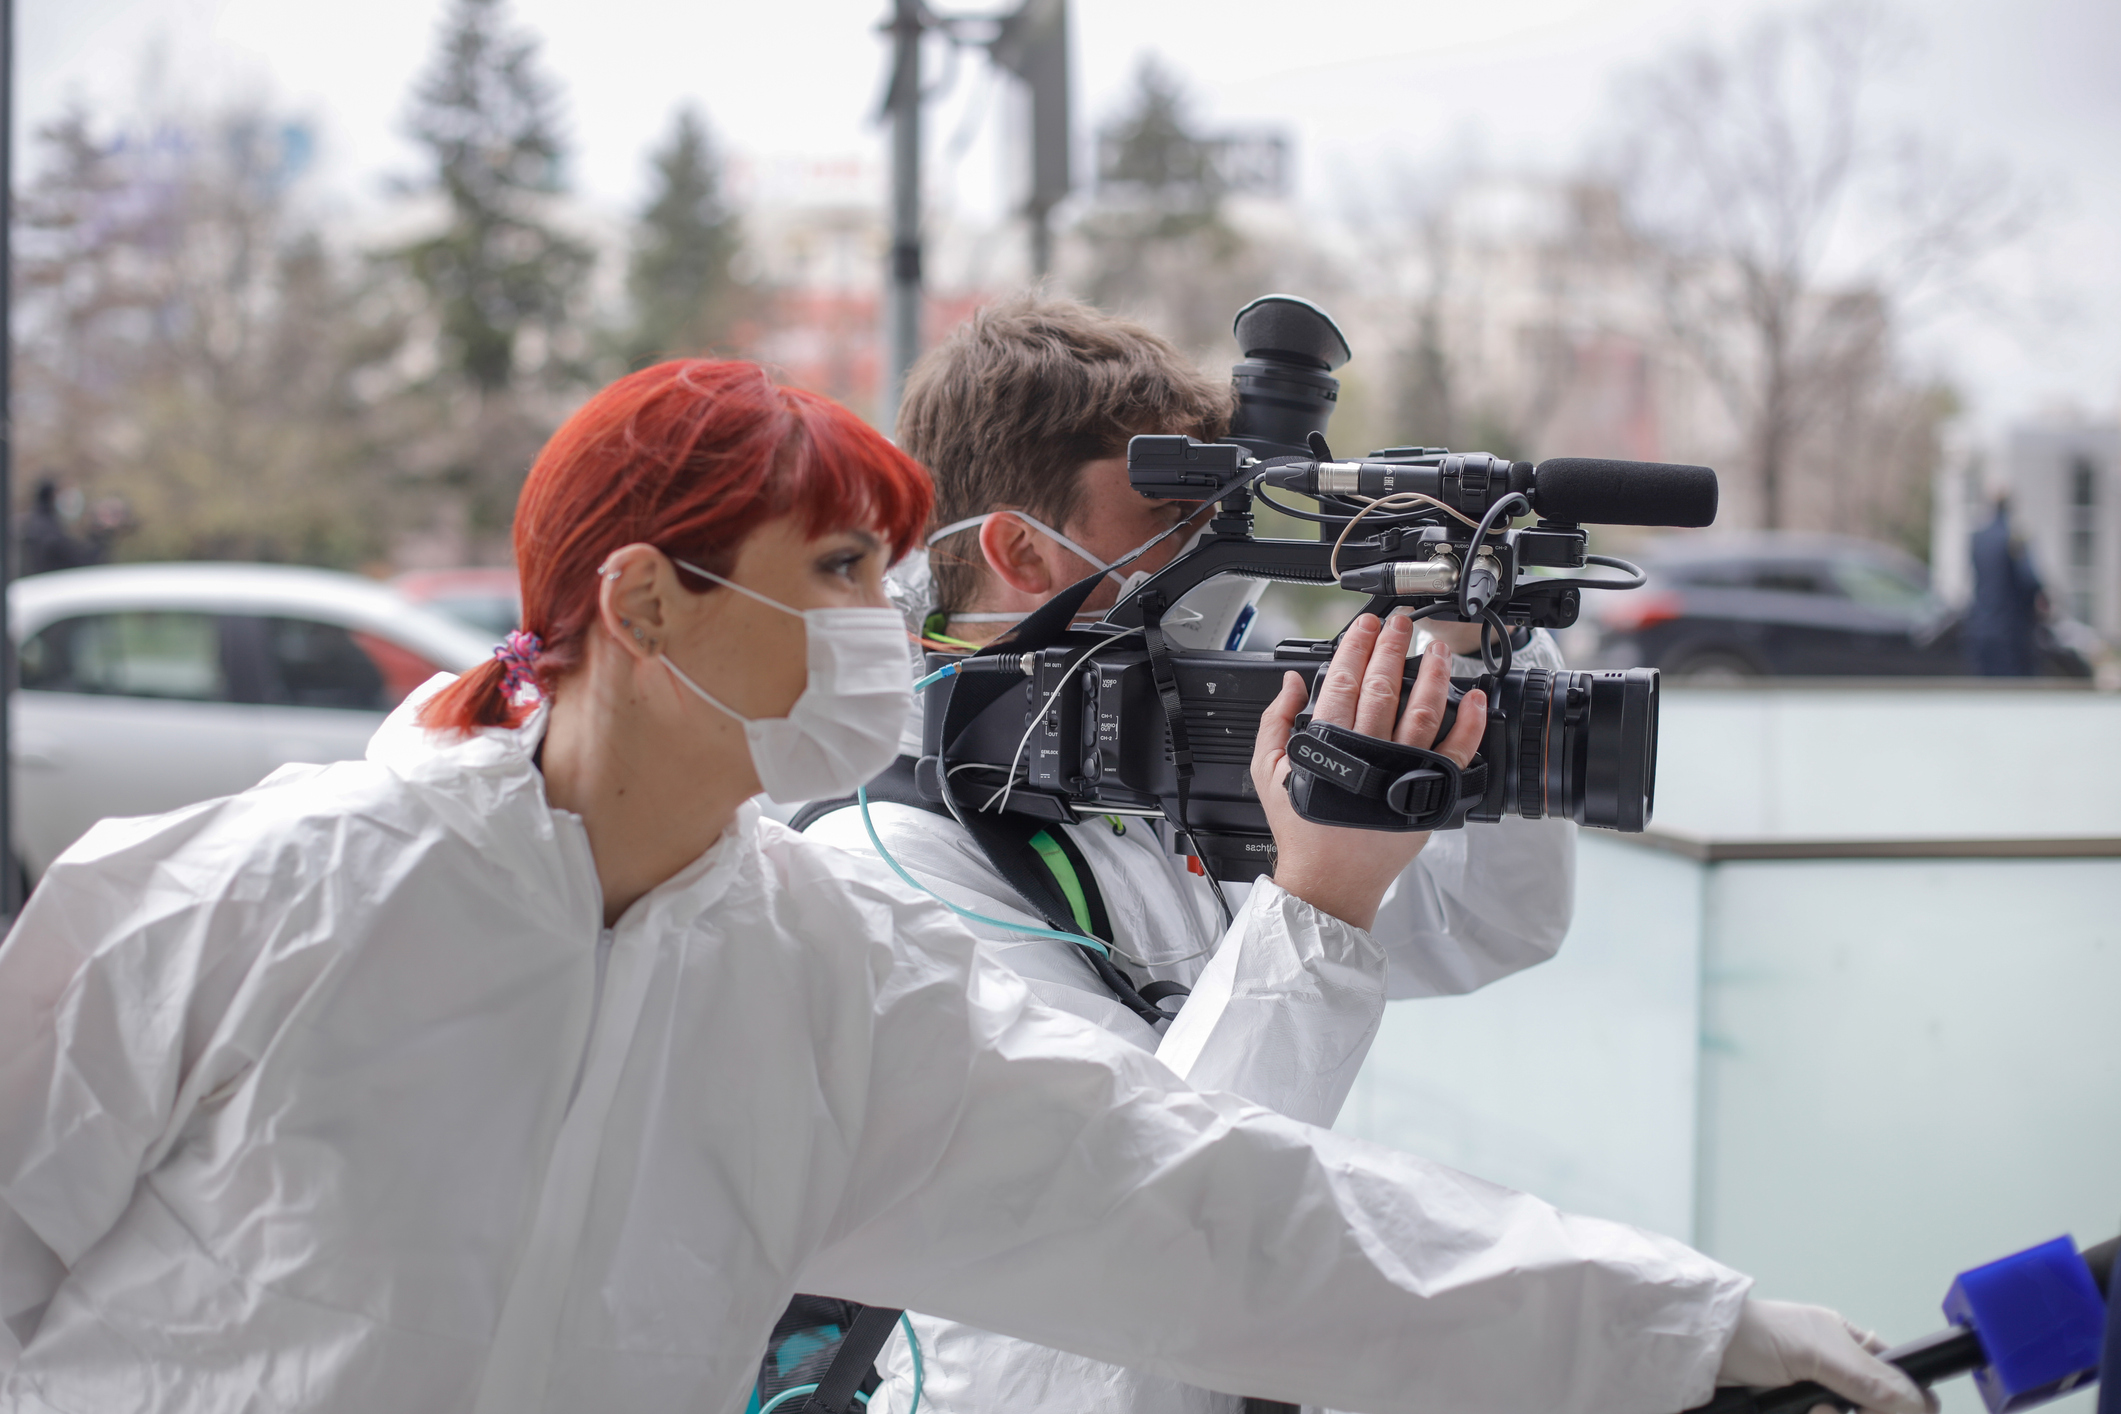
point(1755, 605)
point(490, 600)
point(148, 687)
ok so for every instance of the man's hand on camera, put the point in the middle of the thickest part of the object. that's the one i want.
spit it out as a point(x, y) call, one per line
point(1340, 871)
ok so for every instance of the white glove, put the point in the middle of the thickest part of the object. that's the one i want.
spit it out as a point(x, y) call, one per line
point(1781, 1342)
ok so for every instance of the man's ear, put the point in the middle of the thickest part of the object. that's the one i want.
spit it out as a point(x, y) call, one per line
point(1016, 554)
point(634, 589)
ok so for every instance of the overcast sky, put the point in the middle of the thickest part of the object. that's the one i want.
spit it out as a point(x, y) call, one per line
point(1363, 86)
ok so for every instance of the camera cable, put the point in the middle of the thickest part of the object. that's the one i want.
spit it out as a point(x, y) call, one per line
point(1500, 511)
point(1609, 562)
point(861, 797)
point(1039, 716)
point(1401, 502)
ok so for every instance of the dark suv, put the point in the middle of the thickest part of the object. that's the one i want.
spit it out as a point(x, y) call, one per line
point(1758, 605)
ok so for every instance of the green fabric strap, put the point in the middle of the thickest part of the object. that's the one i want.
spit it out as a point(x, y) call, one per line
point(1063, 871)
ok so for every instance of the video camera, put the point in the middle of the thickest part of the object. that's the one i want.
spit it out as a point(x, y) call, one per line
point(1059, 721)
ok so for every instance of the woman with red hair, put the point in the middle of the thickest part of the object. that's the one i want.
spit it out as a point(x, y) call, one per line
point(522, 1066)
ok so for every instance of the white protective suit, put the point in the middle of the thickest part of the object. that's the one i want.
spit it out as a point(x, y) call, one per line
point(1283, 1015)
point(335, 1095)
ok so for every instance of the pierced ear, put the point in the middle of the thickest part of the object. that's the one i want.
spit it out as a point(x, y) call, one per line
point(633, 591)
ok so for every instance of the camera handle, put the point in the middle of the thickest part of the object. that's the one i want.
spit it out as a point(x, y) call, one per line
point(1341, 777)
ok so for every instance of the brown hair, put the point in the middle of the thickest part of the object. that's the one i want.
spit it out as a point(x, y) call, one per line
point(1005, 411)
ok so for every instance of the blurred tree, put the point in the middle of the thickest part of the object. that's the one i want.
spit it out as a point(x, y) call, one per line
point(1787, 241)
point(1485, 278)
point(199, 351)
point(684, 298)
point(1158, 243)
point(505, 285)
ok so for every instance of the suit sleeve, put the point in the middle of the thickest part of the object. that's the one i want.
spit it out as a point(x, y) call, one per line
point(1022, 1171)
point(1284, 1012)
point(1480, 903)
point(112, 982)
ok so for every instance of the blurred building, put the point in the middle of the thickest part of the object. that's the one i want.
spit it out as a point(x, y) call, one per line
point(816, 237)
point(2064, 480)
point(2066, 496)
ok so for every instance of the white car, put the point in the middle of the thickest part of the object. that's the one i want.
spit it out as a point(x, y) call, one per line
point(147, 687)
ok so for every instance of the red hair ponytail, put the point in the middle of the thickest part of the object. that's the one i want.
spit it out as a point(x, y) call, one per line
point(691, 457)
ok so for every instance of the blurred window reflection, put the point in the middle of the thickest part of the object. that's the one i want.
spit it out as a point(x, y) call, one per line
point(1881, 589)
point(165, 655)
point(312, 664)
point(1795, 579)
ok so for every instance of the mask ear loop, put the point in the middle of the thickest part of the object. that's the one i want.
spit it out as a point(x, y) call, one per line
point(732, 584)
point(704, 695)
point(1111, 571)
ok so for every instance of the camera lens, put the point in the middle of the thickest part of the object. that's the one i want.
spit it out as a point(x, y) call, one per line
point(1582, 746)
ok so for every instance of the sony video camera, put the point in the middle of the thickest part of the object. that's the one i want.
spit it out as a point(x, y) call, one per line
point(1133, 715)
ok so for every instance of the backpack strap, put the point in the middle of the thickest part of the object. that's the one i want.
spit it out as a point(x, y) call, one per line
point(853, 1362)
point(1006, 841)
point(1044, 867)
point(1064, 860)
point(896, 785)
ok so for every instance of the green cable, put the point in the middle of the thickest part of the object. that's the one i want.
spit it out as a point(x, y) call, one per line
point(861, 797)
point(932, 629)
point(1062, 868)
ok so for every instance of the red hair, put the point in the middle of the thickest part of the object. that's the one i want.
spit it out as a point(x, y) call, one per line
point(690, 457)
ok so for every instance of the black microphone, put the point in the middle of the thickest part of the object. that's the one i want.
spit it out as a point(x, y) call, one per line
point(1588, 491)
point(1580, 490)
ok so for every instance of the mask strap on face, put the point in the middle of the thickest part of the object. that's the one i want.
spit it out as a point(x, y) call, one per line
point(730, 584)
point(705, 696)
point(1111, 569)
point(1036, 524)
point(681, 675)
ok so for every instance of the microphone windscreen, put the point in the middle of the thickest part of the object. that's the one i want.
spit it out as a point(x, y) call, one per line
point(1590, 491)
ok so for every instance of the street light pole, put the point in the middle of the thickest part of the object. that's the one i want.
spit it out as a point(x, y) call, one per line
point(902, 309)
point(1033, 45)
point(10, 877)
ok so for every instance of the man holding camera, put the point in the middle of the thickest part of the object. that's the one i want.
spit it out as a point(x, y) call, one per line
point(1023, 416)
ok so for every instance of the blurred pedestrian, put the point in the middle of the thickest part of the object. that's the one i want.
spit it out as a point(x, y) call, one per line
point(2003, 626)
point(46, 542)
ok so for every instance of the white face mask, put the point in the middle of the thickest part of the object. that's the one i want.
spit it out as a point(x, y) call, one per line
point(844, 729)
point(1127, 583)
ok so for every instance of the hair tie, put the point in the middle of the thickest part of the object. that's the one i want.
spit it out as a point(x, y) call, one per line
point(519, 657)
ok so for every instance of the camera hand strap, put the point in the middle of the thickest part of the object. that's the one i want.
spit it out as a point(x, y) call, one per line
point(1165, 677)
point(1166, 680)
point(1341, 777)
